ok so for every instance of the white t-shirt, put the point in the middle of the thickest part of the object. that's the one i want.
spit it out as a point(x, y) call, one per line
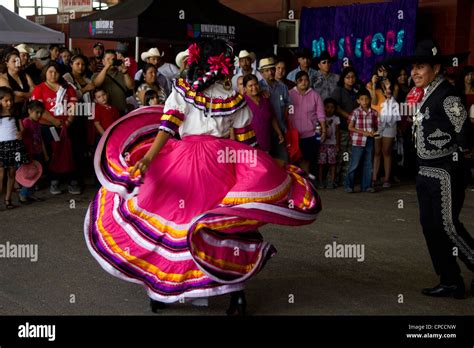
point(331, 123)
point(8, 129)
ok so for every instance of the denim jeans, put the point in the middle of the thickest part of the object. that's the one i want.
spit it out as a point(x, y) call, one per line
point(361, 157)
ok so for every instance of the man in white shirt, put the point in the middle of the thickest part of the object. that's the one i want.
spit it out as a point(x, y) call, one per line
point(165, 71)
point(246, 60)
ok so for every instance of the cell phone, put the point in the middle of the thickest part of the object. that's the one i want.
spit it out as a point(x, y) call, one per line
point(117, 62)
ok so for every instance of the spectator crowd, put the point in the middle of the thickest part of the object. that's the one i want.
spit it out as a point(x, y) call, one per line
point(337, 128)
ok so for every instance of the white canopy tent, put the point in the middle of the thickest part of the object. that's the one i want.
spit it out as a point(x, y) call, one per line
point(15, 29)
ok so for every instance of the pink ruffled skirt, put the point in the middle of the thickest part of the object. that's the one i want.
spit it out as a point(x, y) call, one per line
point(189, 226)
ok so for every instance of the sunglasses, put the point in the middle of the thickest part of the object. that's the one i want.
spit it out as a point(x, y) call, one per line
point(324, 62)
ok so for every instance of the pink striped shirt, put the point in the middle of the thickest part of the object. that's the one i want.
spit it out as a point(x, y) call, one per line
point(308, 109)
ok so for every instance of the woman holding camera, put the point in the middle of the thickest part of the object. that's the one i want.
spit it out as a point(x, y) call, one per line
point(384, 91)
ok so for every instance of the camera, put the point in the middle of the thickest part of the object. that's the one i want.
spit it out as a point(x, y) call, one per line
point(117, 62)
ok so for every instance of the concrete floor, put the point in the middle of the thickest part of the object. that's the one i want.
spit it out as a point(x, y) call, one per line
point(299, 280)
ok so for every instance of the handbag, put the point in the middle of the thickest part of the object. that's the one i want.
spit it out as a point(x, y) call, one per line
point(61, 159)
point(292, 142)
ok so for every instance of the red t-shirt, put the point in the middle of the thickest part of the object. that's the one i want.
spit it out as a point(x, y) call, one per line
point(106, 115)
point(48, 97)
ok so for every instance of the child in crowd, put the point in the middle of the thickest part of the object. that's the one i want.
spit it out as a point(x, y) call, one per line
point(363, 124)
point(34, 144)
point(330, 146)
point(12, 149)
point(151, 97)
point(105, 114)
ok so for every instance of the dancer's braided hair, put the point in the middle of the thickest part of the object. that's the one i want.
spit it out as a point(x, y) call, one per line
point(209, 61)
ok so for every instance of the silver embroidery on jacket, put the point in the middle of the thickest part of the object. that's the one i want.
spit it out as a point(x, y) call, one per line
point(438, 138)
point(456, 112)
point(446, 209)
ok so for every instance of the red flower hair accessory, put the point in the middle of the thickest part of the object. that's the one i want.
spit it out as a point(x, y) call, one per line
point(219, 62)
point(194, 54)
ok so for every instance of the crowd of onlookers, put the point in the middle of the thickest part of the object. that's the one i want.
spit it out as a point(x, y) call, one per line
point(348, 129)
point(336, 127)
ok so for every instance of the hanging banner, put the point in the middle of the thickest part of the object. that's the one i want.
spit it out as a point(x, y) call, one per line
point(363, 34)
point(75, 5)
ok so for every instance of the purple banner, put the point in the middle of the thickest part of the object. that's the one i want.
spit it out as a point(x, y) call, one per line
point(364, 33)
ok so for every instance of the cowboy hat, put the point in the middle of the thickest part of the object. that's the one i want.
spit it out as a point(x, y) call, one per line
point(180, 57)
point(152, 52)
point(42, 53)
point(427, 51)
point(28, 174)
point(23, 48)
point(247, 54)
point(266, 63)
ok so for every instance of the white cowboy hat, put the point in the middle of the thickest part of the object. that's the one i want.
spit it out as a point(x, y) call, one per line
point(42, 53)
point(247, 54)
point(266, 63)
point(23, 48)
point(152, 52)
point(180, 57)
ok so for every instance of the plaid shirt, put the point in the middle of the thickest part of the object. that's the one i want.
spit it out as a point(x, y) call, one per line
point(366, 121)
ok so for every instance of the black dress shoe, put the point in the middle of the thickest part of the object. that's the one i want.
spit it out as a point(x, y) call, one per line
point(156, 305)
point(441, 290)
point(238, 304)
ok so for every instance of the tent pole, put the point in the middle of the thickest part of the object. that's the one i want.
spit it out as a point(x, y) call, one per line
point(137, 44)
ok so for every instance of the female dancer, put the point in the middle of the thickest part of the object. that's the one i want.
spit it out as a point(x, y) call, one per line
point(181, 217)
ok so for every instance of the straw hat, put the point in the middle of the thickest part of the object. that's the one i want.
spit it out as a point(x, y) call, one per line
point(266, 63)
point(23, 48)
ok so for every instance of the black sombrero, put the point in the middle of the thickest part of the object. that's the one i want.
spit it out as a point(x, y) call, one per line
point(427, 51)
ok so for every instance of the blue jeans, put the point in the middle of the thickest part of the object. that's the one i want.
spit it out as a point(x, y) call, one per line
point(361, 157)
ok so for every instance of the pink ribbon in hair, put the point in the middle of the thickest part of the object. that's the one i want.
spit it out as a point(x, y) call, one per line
point(194, 54)
point(219, 63)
